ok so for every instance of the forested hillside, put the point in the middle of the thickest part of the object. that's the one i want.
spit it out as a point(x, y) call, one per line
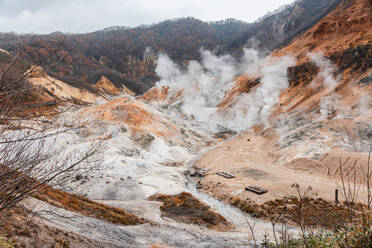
point(128, 55)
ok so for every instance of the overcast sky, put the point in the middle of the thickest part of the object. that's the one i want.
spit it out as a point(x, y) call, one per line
point(79, 16)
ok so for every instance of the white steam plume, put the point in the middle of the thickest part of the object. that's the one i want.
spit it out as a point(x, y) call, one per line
point(205, 84)
point(333, 104)
point(253, 108)
point(327, 71)
point(365, 104)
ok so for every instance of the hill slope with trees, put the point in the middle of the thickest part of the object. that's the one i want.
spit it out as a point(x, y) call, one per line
point(128, 55)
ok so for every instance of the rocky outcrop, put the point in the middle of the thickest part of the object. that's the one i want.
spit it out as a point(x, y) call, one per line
point(155, 94)
point(143, 139)
point(354, 58)
point(106, 87)
point(243, 85)
point(279, 28)
point(365, 81)
point(346, 27)
point(302, 74)
point(139, 68)
point(51, 89)
point(35, 72)
point(358, 59)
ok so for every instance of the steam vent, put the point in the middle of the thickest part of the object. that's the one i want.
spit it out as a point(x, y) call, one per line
point(175, 131)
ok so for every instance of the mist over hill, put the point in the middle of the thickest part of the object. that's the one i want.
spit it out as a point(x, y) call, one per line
point(228, 134)
point(118, 52)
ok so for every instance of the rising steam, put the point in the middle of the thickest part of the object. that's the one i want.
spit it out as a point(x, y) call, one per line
point(333, 104)
point(205, 84)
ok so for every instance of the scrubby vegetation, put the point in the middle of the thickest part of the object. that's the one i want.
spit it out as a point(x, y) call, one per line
point(87, 207)
point(5, 243)
point(352, 236)
point(314, 212)
point(322, 224)
point(20, 228)
point(186, 208)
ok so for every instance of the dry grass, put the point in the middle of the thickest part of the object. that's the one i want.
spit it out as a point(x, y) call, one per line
point(187, 209)
point(87, 207)
point(316, 212)
point(5, 243)
point(23, 230)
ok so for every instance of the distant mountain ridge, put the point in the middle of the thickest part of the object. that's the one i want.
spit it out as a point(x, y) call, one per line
point(280, 27)
point(117, 52)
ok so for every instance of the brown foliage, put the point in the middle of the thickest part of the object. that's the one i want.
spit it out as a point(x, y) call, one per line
point(87, 207)
point(186, 208)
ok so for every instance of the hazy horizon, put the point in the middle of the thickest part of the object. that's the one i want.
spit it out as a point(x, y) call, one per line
point(83, 16)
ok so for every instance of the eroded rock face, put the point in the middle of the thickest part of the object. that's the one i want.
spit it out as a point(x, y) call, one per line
point(366, 81)
point(155, 94)
point(281, 27)
point(37, 71)
point(358, 58)
point(106, 87)
point(84, 132)
point(355, 59)
point(143, 139)
point(185, 208)
point(137, 68)
point(302, 74)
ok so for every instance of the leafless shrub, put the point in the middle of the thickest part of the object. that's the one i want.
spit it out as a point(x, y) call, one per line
point(275, 219)
point(368, 175)
point(251, 229)
point(351, 182)
point(350, 221)
point(302, 196)
point(284, 230)
point(32, 159)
